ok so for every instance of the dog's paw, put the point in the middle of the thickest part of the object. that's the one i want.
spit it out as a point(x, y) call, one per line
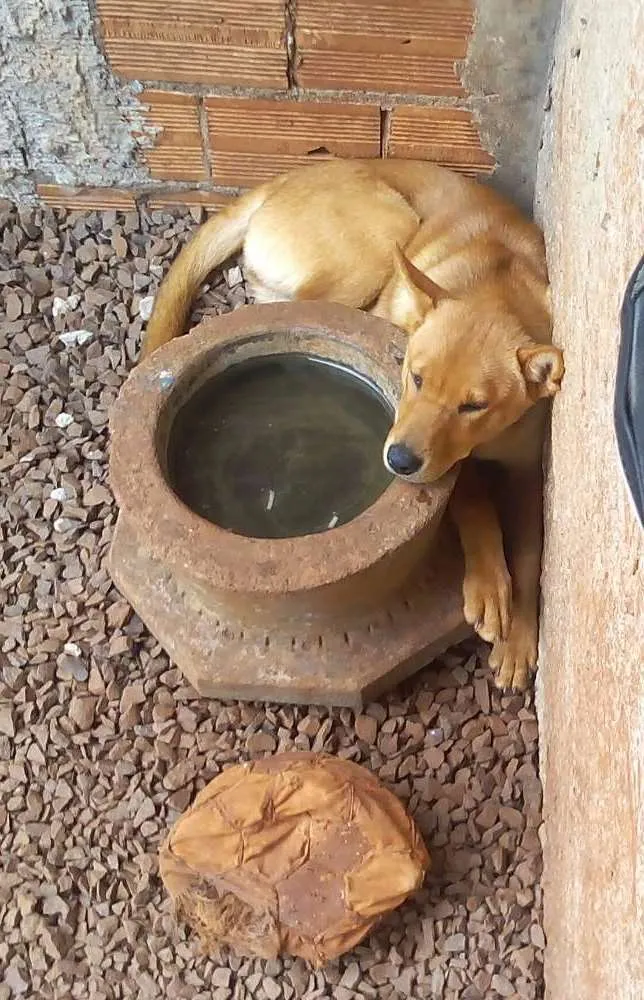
point(487, 601)
point(514, 658)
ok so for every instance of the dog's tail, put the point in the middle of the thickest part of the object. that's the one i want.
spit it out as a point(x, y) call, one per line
point(216, 240)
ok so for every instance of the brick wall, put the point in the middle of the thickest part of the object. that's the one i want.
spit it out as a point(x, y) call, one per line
point(240, 90)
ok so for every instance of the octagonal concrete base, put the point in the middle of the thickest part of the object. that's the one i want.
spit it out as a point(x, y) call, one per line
point(340, 662)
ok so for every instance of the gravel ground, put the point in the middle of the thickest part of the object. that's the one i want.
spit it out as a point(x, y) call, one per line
point(102, 744)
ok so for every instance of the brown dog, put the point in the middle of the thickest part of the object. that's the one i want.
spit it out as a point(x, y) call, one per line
point(471, 290)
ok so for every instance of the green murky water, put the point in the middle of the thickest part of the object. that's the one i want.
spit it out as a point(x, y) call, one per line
point(281, 446)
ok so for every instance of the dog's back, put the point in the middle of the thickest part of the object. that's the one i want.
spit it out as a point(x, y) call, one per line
point(327, 231)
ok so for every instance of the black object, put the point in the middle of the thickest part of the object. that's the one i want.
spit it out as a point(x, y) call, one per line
point(629, 390)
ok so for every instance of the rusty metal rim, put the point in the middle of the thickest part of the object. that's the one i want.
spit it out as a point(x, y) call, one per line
point(226, 560)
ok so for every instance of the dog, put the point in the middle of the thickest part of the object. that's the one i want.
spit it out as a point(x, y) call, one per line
point(463, 273)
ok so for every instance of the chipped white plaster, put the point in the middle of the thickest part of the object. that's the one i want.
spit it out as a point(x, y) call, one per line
point(64, 118)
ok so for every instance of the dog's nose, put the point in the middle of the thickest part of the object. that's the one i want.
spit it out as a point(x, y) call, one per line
point(402, 460)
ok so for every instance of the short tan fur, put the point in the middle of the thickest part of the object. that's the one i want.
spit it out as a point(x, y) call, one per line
point(463, 273)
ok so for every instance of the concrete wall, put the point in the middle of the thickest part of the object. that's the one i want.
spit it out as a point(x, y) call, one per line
point(237, 93)
point(591, 676)
point(507, 74)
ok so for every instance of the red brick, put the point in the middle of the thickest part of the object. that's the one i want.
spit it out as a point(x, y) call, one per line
point(177, 153)
point(408, 47)
point(85, 199)
point(430, 27)
point(252, 141)
point(444, 135)
point(212, 201)
point(211, 42)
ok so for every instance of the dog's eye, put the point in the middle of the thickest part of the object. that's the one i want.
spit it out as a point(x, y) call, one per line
point(472, 407)
point(417, 380)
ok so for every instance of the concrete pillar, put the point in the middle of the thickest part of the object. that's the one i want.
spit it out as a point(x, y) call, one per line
point(591, 203)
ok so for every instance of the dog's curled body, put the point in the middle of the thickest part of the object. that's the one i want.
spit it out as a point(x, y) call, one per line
point(463, 273)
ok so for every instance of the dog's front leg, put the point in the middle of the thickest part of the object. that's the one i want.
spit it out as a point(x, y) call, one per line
point(520, 501)
point(487, 590)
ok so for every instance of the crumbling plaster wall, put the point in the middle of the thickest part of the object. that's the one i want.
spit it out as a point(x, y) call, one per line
point(63, 116)
point(66, 119)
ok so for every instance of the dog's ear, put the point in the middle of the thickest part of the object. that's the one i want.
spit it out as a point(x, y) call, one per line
point(425, 292)
point(543, 369)
point(415, 294)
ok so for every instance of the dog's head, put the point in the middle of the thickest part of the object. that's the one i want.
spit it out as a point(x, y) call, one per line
point(470, 371)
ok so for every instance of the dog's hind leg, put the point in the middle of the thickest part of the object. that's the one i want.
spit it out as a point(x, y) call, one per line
point(259, 290)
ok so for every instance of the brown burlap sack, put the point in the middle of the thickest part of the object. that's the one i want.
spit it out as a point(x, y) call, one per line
point(300, 853)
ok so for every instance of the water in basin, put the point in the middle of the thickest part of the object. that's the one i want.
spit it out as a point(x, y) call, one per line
point(281, 446)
